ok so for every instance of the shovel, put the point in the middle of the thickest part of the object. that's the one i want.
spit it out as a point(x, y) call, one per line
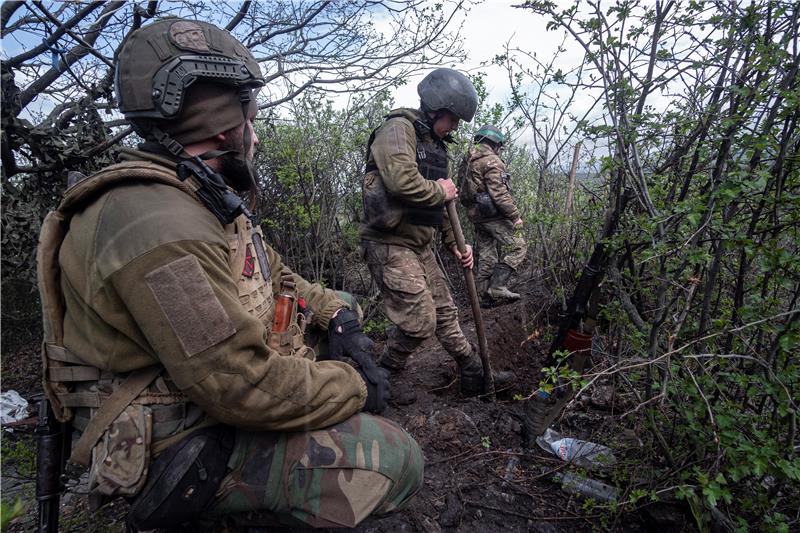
point(469, 277)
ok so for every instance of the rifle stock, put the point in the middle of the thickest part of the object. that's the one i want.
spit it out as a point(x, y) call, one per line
point(53, 441)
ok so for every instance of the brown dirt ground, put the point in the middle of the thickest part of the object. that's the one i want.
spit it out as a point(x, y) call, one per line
point(468, 443)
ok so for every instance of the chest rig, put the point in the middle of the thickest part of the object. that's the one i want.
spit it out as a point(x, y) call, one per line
point(251, 269)
point(432, 164)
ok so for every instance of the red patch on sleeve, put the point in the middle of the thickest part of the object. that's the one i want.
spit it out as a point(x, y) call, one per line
point(249, 263)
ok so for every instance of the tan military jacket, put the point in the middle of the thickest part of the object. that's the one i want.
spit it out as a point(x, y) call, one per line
point(394, 152)
point(150, 275)
point(487, 173)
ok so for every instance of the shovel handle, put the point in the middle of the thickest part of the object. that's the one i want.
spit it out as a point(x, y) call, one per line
point(469, 277)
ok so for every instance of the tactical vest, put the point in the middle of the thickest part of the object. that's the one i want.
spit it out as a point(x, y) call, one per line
point(473, 193)
point(143, 407)
point(432, 164)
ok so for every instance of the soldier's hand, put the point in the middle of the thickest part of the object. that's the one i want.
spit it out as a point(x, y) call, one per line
point(347, 338)
point(450, 191)
point(377, 381)
point(518, 223)
point(467, 259)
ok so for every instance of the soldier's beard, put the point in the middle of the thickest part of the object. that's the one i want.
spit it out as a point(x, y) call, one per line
point(237, 170)
point(238, 173)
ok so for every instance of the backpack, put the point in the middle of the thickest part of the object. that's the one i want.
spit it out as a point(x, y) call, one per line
point(466, 189)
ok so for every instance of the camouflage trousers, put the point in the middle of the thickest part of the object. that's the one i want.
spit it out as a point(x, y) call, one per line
point(332, 477)
point(417, 302)
point(498, 241)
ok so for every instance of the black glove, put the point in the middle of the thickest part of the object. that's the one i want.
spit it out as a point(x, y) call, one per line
point(377, 381)
point(346, 337)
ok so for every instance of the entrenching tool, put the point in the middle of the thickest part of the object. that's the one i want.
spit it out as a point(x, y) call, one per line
point(469, 277)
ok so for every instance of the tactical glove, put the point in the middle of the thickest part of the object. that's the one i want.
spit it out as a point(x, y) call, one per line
point(347, 338)
point(377, 380)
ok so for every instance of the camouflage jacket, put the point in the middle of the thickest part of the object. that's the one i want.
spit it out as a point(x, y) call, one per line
point(147, 278)
point(392, 165)
point(486, 172)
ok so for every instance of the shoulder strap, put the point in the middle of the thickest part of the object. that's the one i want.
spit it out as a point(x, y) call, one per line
point(112, 407)
point(127, 172)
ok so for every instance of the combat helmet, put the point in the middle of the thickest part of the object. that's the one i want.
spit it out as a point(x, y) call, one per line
point(160, 61)
point(445, 88)
point(491, 133)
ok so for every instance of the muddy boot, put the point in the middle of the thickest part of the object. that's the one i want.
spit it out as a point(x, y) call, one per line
point(498, 288)
point(537, 415)
point(401, 393)
point(471, 377)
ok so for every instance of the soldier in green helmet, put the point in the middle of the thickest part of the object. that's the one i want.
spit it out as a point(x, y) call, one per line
point(405, 187)
point(162, 345)
point(486, 193)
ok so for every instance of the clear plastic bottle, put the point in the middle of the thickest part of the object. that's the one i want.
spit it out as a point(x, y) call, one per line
point(589, 488)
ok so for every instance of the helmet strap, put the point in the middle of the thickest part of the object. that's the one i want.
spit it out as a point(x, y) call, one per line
point(172, 146)
point(210, 187)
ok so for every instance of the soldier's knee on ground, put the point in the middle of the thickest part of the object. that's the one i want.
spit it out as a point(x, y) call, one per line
point(408, 478)
point(376, 468)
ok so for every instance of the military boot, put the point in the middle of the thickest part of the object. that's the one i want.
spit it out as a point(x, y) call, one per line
point(401, 392)
point(498, 288)
point(470, 371)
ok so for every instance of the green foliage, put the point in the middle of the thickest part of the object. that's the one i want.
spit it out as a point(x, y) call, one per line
point(310, 168)
point(9, 512)
point(21, 454)
point(376, 326)
point(709, 256)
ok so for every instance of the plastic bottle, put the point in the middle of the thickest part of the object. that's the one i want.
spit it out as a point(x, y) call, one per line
point(580, 452)
point(284, 305)
point(589, 488)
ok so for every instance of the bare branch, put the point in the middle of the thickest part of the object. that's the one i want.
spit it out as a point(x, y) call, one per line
point(239, 16)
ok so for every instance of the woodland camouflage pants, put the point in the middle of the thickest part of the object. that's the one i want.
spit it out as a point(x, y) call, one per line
point(333, 477)
point(417, 302)
point(498, 241)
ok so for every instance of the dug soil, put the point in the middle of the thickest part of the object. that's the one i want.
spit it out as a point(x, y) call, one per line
point(479, 476)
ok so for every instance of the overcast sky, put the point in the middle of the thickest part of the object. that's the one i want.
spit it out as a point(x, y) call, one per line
point(487, 28)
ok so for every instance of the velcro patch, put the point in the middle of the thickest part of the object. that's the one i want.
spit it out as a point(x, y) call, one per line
point(184, 294)
point(397, 138)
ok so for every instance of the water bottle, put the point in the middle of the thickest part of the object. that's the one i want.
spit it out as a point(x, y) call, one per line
point(589, 488)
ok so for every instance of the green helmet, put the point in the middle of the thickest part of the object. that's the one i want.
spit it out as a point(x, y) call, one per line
point(491, 133)
point(445, 88)
point(160, 61)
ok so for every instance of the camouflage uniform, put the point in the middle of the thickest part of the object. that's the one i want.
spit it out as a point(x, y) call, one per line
point(334, 477)
point(403, 206)
point(150, 279)
point(496, 237)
